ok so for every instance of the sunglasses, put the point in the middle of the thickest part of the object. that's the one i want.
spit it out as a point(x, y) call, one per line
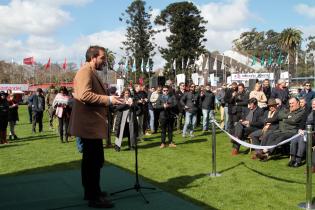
point(165, 90)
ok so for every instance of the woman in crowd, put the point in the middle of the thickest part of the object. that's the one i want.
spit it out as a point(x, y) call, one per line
point(126, 121)
point(63, 104)
point(259, 94)
point(4, 114)
point(13, 114)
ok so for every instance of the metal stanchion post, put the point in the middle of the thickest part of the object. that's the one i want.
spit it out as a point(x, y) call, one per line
point(308, 204)
point(214, 169)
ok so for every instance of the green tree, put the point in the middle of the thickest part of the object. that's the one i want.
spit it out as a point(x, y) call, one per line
point(140, 35)
point(187, 29)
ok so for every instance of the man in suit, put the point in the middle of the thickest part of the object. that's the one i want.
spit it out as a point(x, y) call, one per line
point(89, 121)
point(251, 120)
point(38, 107)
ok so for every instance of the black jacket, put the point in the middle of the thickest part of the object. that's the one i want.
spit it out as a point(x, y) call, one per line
point(138, 96)
point(4, 109)
point(166, 113)
point(207, 101)
point(38, 103)
point(258, 115)
point(191, 100)
point(179, 94)
point(282, 94)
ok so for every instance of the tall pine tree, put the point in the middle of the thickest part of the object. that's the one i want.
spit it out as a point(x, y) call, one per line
point(139, 36)
point(187, 29)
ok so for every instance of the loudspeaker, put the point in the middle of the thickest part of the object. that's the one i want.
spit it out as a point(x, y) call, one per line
point(161, 80)
point(251, 84)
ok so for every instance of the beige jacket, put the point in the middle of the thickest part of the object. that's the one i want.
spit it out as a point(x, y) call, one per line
point(89, 116)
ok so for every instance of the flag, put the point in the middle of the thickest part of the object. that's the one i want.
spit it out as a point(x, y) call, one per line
point(287, 60)
point(182, 63)
point(296, 59)
point(64, 65)
point(126, 64)
point(142, 65)
point(262, 60)
point(47, 65)
point(188, 61)
point(222, 65)
point(279, 60)
point(254, 60)
point(215, 64)
point(207, 63)
point(270, 58)
point(134, 68)
point(29, 61)
point(148, 66)
point(174, 64)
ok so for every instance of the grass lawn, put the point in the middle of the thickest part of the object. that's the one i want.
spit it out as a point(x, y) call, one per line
point(244, 184)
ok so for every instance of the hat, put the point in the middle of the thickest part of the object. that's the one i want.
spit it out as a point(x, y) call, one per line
point(272, 102)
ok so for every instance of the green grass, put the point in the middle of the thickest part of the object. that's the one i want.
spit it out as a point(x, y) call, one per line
point(244, 184)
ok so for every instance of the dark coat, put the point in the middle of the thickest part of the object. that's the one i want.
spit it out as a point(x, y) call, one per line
point(258, 115)
point(282, 94)
point(274, 120)
point(4, 109)
point(291, 121)
point(191, 100)
point(179, 94)
point(13, 111)
point(38, 103)
point(138, 96)
point(207, 101)
point(308, 96)
point(168, 112)
point(267, 91)
point(133, 125)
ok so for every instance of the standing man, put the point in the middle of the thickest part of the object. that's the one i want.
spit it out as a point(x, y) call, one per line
point(281, 91)
point(266, 88)
point(207, 100)
point(181, 112)
point(50, 108)
point(307, 93)
point(89, 121)
point(38, 107)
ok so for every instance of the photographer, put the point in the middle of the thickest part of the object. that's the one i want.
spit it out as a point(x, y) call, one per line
point(190, 103)
point(167, 105)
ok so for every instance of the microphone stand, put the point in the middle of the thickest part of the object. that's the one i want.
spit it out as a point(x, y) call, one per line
point(137, 187)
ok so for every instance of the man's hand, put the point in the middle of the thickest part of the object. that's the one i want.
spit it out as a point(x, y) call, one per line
point(116, 100)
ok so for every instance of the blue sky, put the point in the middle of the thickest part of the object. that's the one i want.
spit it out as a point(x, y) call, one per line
point(65, 28)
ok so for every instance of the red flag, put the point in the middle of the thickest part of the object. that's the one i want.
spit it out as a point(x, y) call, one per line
point(29, 61)
point(48, 64)
point(64, 65)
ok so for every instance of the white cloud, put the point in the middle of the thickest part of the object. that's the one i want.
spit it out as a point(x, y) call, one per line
point(225, 23)
point(304, 9)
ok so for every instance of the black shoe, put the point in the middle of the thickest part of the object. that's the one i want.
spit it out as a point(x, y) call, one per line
point(101, 203)
point(297, 164)
point(291, 163)
point(103, 194)
point(10, 137)
point(15, 137)
point(117, 148)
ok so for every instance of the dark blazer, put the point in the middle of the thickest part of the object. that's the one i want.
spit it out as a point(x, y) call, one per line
point(191, 100)
point(178, 95)
point(274, 120)
point(258, 115)
point(38, 103)
point(207, 101)
point(168, 112)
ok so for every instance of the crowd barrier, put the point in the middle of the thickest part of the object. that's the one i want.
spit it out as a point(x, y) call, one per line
point(308, 204)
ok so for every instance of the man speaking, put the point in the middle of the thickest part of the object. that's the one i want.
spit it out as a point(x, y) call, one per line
point(89, 121)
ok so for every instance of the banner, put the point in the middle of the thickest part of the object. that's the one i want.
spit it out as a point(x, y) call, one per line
point(180, 78)
point(120, 86)
point(14, 87)
point(247, 76)
point(194, 78)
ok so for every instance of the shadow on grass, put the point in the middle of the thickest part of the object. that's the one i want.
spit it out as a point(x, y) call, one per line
point(33, 138)
point(11, 144)
point(172, 185)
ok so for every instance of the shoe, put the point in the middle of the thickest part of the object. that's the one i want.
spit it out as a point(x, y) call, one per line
point(103, 194)
point(100, 203)
point(254, 157)
point(162, 146)
point(297, 164)
point(15, 137)
point(117, 148)
point(172, 145)
point(291, 163)
point(10, 137)
point(263, 157)
point(234, 152)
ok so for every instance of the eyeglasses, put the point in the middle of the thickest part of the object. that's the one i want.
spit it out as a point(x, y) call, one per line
point(165, 90)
